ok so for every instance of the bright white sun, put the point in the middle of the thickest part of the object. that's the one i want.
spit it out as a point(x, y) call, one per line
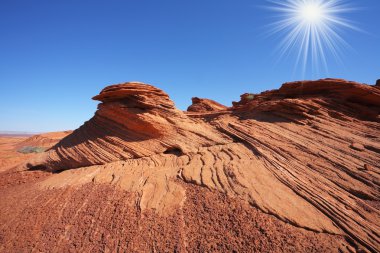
point(311, 12)
point(311, 30)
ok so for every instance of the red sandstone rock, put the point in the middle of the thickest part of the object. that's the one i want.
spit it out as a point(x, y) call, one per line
point(368, 167)
point(134, 120)
point(357, 146)
point(306, 99)
point(244, 99)
point(205, 105)
point(136, 95)
point(274, 173)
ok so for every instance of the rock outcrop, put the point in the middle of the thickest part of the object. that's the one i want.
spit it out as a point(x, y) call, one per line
point(134, 120)
point(205, 105)
point(307, 155)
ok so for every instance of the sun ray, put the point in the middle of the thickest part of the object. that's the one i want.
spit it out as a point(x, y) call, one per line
point(311, 30)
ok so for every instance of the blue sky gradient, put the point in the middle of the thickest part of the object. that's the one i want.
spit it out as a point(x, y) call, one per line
point(56, 55)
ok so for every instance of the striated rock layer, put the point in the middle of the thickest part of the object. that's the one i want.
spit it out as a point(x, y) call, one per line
point(205, 105)
point(305, 157)
point(134, 120)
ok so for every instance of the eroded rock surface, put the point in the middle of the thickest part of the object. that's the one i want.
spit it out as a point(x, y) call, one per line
point(205, 105)
point(306, 155)
point(134, 120)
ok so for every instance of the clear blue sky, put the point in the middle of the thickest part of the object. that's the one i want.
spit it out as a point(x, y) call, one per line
point(56, 55)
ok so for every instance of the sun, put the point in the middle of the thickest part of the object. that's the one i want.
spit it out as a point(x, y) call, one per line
point(311, 30)
point(311, 12)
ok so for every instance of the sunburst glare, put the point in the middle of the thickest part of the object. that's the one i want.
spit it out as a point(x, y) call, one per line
point(312, 31)
point(311, 12)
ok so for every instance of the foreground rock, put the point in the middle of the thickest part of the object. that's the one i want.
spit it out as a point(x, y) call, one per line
point(294, 169)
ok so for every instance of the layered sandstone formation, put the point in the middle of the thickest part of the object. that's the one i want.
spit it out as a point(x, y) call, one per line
point(205, 105)
point(305, 157)
point(134, 120)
